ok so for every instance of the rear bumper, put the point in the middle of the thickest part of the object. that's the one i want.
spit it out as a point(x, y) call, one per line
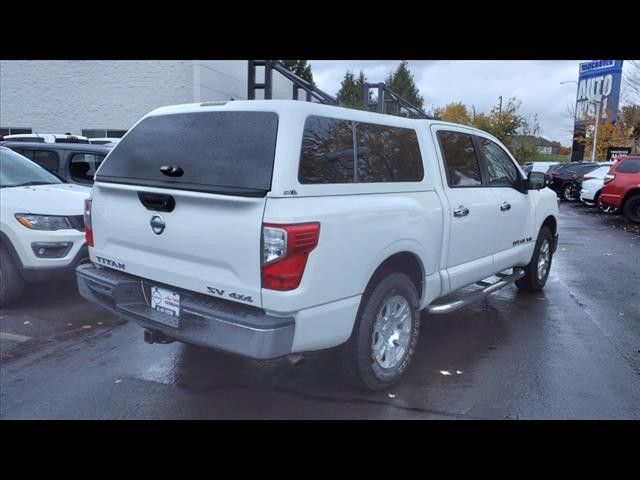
point(204, 320)
point(611, 199)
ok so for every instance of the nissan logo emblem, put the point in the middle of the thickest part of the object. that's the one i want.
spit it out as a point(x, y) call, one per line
point(157, 224)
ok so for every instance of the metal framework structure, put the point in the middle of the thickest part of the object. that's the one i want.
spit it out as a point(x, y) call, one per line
point(388, 101)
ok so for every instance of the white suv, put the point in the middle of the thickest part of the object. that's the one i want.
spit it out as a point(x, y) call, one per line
point(265, 228)
point(41, 227)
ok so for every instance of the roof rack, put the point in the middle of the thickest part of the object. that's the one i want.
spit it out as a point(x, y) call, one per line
point(388, 101)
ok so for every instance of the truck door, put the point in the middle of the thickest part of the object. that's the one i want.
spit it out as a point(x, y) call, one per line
point(516, 238)
point(472, 210)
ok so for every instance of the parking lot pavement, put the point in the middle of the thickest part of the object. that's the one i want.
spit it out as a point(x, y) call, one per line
point(571, 351)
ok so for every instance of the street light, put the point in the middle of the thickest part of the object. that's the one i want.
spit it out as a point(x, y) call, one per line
point(575, 113)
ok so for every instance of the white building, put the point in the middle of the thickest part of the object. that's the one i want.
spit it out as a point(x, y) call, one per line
point(105, 98)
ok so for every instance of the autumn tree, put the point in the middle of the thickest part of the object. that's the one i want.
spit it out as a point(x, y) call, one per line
point(610, 134)
point(454, 112)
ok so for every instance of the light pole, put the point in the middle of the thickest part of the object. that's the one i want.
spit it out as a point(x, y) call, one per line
point(595, 133)
point(575, 114)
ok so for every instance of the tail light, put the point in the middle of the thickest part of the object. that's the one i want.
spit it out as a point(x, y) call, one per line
point(285, 249)
point(573, 177)
point(588, 178)
point(88, 232)
point(608, 178)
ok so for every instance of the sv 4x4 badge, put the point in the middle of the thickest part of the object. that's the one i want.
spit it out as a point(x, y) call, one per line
point(237, 296)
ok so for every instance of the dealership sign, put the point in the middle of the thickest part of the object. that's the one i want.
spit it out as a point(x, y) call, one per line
point(598, 92)
point(599, 89)
point(614, 152)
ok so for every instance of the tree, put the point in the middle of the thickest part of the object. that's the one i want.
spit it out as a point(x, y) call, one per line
point(629, 120)
point(301, 68)
point(401, 82)
point(503, 123)
point(455, 113)
point(524, 146)
point(609, 135)
point(350, 93)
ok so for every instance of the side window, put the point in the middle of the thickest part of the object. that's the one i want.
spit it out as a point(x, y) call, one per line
point(47, 159)
point(501, 169)
point(388, 154)
point(327, 151)
point(461, 162)
point(27, 153)
point(83, 166)
point(630, 165)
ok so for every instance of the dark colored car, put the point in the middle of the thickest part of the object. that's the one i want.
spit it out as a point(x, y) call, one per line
point(563, 179)
point(72, 162)
point(622, 187)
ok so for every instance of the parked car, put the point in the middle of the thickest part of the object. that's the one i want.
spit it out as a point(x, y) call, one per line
point(46, 138)
point(41, 227)
point(538, 166)
point(104, 141)
point(274, 227)
point(591, 188)
point(72, 163)
point(622, 187)
point(563, 179)
point(578, 178)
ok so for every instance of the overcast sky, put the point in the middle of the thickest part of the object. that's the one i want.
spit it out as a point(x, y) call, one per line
point(478, 83)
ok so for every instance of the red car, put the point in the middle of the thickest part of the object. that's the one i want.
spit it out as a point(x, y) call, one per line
point(622, 187)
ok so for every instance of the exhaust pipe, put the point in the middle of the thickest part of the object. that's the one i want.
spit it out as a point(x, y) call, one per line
point(156, 336)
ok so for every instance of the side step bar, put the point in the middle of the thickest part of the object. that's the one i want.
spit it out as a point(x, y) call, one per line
point(489, 288)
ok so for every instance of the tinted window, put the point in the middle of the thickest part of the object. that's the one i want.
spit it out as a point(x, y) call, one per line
point(47, 159)
point(502, 171)
point(630, 165)
point(327, 151)
point(460, 159)
point(218, 152)
point(83, 166)
point(16, 170)
point(388, 154)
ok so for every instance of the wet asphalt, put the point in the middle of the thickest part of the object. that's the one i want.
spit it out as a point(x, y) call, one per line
point(569, 352)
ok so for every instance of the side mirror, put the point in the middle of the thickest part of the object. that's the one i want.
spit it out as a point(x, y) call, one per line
point(536, 181)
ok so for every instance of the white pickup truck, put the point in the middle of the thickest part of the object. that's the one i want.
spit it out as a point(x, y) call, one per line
point(268, 228)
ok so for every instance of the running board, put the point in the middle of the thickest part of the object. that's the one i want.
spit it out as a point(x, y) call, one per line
point(505, 279)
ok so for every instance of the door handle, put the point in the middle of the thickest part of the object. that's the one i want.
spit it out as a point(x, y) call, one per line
point(504, 206)
point(461, 211)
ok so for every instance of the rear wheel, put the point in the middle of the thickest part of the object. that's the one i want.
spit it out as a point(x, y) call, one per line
point(567, 192)
point(11, 282)
point(631, 209)
point(537, 272)
point(385, 334)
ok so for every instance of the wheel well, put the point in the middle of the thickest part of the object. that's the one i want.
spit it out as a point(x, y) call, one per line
point(404, 262)
point(631, 193)
point(551, 222)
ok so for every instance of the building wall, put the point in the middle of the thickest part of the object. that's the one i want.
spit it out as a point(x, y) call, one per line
point(68, 96)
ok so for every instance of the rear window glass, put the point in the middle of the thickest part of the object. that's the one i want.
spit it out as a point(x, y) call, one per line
point(385, 153)
point(217, 152)
point(83, 166)
point(388, 154)
point(327, 151)
point(47, 159)
point(630, 165)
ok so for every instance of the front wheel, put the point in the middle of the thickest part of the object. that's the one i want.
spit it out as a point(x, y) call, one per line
point(11, 282)
point(537, 272)
point(568, 193)
point(631, 209)
point(385, 334)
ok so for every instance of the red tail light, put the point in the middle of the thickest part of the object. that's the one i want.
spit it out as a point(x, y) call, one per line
point(88, 232)
point(608, 178)
point(285, 249)
point(588, 178)
point(573, 177)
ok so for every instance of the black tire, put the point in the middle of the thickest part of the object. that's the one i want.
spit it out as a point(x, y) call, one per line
point(11, 282)
point(567, 193)
point(631, 209)
point(532, 282)
point(359, 363)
